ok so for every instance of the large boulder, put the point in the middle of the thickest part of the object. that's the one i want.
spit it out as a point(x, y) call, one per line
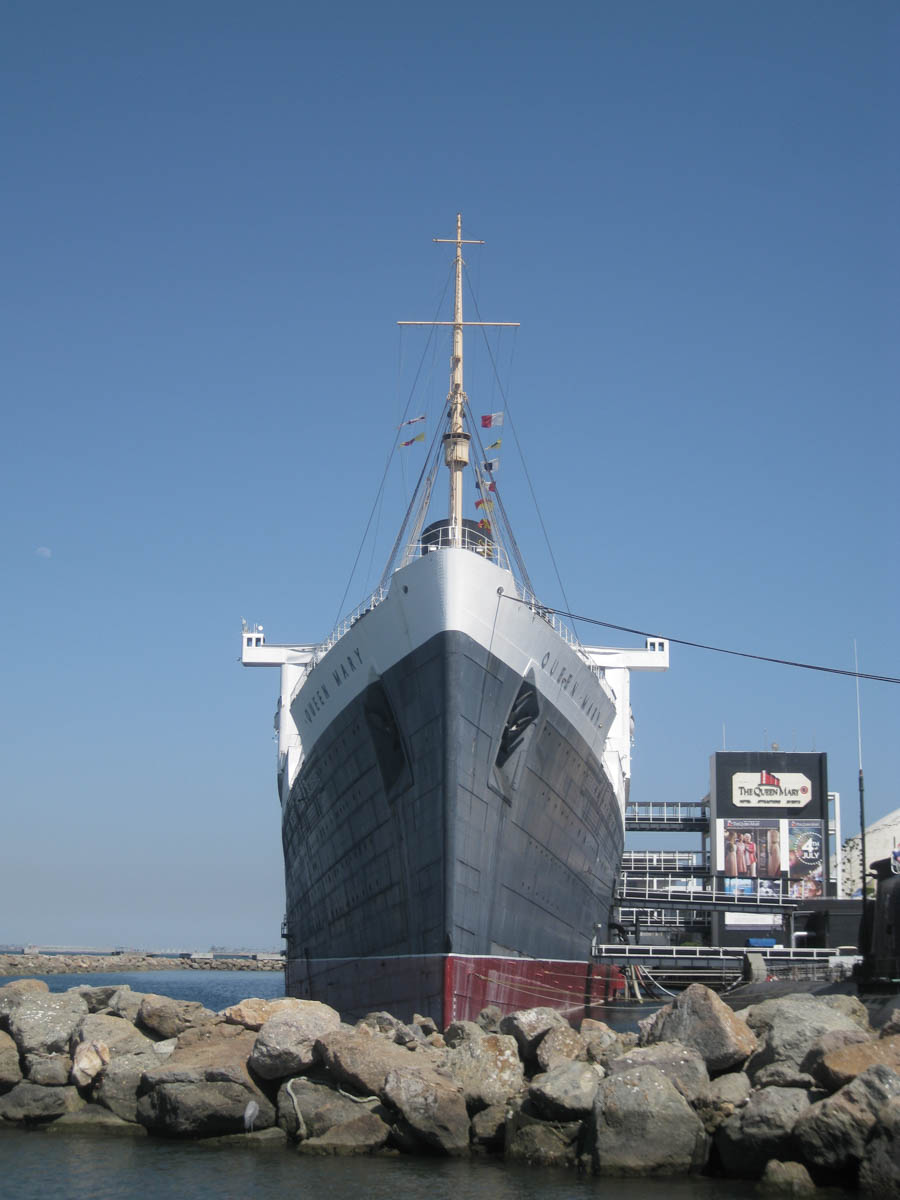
point(529, 1025)
point(254, 1012)
point(118, 1035)
point(202, 1109)
point(307, 1108)
point(12, 994)
point(487, 1068)
point(43, 1022)
point(364, 1134)
point(721, 1098)
point(559, 1045)
point(434, 1109)
point(168, 1018)
point(286, 1041)
point(29, 1102)
point(96, 998)
point(879, 1170)
point(786, 1179)
point(698, 1018)
point(642, 1125)
point(683, 1065)
point(566, 1092)
point(760, 1130)
point(117, 1084)
point(88, 1061)
point(528, 1138)
point(49, 1070)
point(10, 1070)
point(789, 1026)
point(849, 1006)
point(832, 1134)
point(363, 1062)
point(838, 1066)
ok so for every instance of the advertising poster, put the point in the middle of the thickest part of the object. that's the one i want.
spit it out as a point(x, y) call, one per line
point(751, 848)
point(806, 852)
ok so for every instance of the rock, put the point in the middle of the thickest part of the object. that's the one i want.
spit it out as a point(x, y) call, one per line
point(254, 1012)
point(600, 1043)
point(487, 1068)
point(116, 1086)
point(561, 1045)
point(489, 1019)
point(425, 1024)
point(96, 998)
point(700, 1019)
point(782, 1074)
point(434, 1110)
point(365, 1134)
point(168, 1018)
point(488, 1125)
point(118, 1035)
point(43, 1022)
point(309, 1109)
point(458, 1032)
point(95, 1117)
point(30, 1102)
point(879, 1170)
point(126, 1003)
point(210, 1053)
point(832, 1134)
point(11, 994)
point(200, 1109)
point(566, 1093)
point(888, 1029)
point(88, 1061)
point(642, 1125)
point(837, 1067)
point(529, 1025)
point(541, 1145)
point(787, 1178)
point(590, 1026)
point(363, 1062)
point(10, 1071)
point(849, 1006)
point(834, 1039)
point(528, 1138)
point(760, 1130)
point(682, 1065)
point(49, 1070)
point(286, 1042)
point(721, 1098)
point(788, 1027)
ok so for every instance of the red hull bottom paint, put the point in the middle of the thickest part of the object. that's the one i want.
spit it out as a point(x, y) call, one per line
point(453, 987)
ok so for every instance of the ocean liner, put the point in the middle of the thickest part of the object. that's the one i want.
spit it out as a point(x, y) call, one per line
point(453, 767)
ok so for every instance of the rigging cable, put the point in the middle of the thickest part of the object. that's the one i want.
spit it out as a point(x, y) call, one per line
point(521, 455)
point(781, 662)
point(387, 464)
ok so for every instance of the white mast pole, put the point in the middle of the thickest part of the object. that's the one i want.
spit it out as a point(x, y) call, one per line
point(456, 442)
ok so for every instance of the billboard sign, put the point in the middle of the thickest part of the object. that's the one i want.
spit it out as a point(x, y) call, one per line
point(765, 789)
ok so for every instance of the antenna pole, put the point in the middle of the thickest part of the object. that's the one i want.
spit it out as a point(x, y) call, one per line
point(862, 786)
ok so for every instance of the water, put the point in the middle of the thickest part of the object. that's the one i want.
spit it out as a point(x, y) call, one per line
point(44, 1164)
point(64, 1166)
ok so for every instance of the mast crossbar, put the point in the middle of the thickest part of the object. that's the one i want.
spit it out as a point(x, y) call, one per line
point(502, 324)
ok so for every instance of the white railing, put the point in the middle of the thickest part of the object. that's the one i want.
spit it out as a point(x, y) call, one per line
point(672, 862)
point(738, 892)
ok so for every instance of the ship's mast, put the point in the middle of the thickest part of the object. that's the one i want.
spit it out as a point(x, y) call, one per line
point(456, 441)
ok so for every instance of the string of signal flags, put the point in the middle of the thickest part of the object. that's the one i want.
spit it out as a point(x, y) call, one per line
point(490, 466)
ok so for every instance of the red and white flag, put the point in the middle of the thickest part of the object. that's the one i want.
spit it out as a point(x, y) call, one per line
point(492, 420)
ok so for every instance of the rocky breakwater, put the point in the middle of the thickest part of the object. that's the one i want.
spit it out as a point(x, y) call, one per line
point(797, 1092)
point(126, 962)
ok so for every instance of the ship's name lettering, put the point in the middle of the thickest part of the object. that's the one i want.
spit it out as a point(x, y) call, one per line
point(348, 666)
point(568, 683)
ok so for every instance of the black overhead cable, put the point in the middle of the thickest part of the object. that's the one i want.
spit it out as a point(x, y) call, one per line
point(782, 662)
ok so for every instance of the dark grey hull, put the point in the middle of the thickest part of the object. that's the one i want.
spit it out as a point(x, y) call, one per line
point(449, 807)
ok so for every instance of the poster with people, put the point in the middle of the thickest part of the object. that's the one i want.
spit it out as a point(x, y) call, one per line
point(751, 848)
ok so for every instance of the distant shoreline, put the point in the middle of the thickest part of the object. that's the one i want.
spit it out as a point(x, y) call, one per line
point(81, 964)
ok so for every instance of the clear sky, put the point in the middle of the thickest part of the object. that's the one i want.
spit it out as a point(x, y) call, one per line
point(213, 216)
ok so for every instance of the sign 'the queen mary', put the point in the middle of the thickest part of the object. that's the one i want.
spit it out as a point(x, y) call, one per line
point(761, 789)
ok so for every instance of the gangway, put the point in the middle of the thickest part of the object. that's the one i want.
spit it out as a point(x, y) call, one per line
point(666, 862)
point(672, 816)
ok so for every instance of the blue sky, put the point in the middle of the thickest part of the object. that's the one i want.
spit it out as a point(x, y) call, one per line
point(214, 214)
